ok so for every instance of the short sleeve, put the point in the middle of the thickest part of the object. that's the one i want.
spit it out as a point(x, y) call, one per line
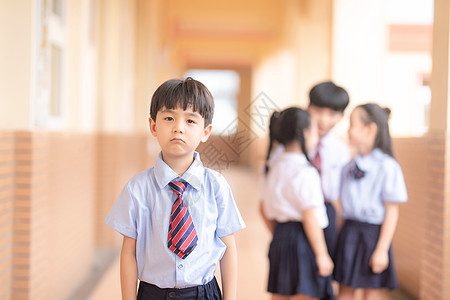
point(229, 218)
point(308, 188)
point(122, 216)
point(394, 188)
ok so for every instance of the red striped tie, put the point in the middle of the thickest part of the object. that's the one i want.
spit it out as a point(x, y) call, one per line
point(182, 237)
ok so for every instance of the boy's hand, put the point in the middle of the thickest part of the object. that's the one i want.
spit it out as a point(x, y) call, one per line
point(379, 261)
point(324, 264)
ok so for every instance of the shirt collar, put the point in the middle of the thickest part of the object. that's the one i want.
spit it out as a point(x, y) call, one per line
point(323, 142)
point(164, 174)
point(327, 138)
point(370, 160)
point(298, 157)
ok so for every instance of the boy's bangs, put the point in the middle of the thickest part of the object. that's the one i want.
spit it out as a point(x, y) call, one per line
point(190, 94)
point(180, 101)
point(177, 93)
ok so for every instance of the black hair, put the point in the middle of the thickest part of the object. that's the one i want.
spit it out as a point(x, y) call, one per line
point(273, 137)
point(329, 95)
point(290, 127)
point(373, 113)
point(183, 93)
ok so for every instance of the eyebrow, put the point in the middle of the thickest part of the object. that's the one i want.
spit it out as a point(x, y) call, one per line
point(192, 114)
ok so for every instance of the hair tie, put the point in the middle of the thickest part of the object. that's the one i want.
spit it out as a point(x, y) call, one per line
point(387, 110)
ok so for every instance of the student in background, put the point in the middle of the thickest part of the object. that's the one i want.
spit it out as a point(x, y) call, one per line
point(275, 149)
point(372, 188)
point(300, 266)
point(327, 103)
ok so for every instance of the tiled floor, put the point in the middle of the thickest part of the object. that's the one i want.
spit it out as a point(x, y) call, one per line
point(252, 247)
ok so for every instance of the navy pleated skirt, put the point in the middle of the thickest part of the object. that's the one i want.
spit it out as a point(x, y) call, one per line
point(354, 248)
point(292, 264)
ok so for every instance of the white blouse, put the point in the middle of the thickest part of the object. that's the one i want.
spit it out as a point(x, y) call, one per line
point(292, 186)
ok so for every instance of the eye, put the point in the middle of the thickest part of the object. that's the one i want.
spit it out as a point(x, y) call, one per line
point(168, 118)
point(191, 121)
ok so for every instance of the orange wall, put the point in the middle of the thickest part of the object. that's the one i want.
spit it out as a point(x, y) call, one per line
point(53, 213)
point(119, 157)
point(411, 153)
point(55, 191)
point(6, 212)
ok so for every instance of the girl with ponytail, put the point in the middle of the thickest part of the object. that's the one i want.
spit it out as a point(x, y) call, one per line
point(300, 266)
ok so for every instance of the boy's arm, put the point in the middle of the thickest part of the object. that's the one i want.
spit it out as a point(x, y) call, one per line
point(128, 269)
point(317, 240)
point(380, 257)
point(228, 268)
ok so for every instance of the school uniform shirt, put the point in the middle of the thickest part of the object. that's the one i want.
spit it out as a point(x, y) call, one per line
point(334, 155)
point(292, 186)
point(142, 212)
point(382, 181)
point(275, 154)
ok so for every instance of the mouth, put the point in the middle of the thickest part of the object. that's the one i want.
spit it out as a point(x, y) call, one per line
point(177, 140)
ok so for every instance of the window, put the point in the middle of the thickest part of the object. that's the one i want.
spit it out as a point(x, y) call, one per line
point(57, 41)
point(49, 77)
point(224, 86)
point(56, 82)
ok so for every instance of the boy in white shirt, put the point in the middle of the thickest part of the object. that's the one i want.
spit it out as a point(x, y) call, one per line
point(327, 103)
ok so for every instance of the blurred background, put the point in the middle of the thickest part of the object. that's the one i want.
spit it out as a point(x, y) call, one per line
point(76, 79)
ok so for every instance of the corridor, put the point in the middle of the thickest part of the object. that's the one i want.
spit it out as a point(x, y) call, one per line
point(76, 80)
point(252, 245)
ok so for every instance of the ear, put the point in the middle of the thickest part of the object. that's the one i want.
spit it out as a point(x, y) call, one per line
point(372, 129)
point(152, 125)
point(206, 133)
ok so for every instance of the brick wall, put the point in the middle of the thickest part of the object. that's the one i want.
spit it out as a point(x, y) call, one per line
point(411, 154)
point(432, 256)
point(23, 195)
point(6, 212)
point(55, 191)
point(53, 213)
point(119, 157)
point(70, 211)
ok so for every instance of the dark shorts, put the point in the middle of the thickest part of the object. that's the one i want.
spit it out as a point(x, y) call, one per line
point(209, 291)
point(330, 231)
point(354, 248)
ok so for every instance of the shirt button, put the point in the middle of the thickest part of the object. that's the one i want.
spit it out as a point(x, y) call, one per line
point(180, 266)
point(172, 294)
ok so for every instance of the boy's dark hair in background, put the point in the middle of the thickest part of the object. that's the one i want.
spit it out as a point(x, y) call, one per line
point(327, 94)
point(183, 93)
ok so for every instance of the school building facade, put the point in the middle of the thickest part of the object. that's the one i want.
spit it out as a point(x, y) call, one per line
point(76, 79)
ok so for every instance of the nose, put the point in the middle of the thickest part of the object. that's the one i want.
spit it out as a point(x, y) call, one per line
point(178, 126)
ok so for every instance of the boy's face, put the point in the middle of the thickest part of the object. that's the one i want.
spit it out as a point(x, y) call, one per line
point(179, 131)
point(325, 117)
point(311, 136)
